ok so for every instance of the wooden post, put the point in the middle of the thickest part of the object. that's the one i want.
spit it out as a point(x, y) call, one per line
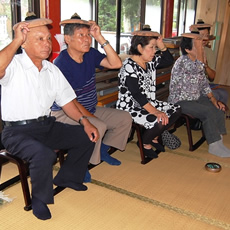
point(54, 13)
point(169, 18)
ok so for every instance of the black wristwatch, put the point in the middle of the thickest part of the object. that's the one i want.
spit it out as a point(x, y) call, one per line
point(81, 118)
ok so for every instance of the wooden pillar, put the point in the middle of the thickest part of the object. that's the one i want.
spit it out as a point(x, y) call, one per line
point(53, 12)
point(223, 67)
point(169, 18)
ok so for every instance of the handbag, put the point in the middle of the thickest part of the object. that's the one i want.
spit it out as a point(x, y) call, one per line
point(170, 140)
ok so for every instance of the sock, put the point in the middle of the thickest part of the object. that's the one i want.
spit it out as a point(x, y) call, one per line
point(87, 177)
point(106, 157)
point(40, 209)
point(223, 147)
point(217, 148)
point(69, 184)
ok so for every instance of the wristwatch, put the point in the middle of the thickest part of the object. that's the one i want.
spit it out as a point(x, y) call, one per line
point(81, 118)
point(106, 43)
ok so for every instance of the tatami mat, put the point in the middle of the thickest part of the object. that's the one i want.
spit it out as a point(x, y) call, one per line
point(172, 192)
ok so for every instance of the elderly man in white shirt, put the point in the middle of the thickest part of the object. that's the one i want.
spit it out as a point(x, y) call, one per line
point(30, 85)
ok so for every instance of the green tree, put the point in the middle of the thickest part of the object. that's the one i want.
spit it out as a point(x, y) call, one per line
point(154, 2)
point(107, 15)
point(131, 10)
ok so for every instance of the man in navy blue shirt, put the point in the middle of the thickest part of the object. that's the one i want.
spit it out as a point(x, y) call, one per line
point(78, 63)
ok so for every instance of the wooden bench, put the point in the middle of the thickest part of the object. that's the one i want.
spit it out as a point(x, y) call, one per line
point(107, 99)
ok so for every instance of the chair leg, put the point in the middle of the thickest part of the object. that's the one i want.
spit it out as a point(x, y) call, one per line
point(138, 130)
point(23, 173)
point(189, 132)
point(192, 146)
point(139, 137)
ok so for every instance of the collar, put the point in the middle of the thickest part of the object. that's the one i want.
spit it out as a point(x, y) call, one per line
point(27, 62)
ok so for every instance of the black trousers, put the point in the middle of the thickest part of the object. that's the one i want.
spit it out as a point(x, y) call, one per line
point(36, 142)
point(158, 129)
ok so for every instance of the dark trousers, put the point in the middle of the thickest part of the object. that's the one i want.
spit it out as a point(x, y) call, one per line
point(158, 129)
point(36, 142)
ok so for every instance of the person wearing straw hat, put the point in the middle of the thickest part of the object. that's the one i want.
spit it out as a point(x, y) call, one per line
point(30, 84)
point(78, 63)
point(137, 89)
point(204, 30)
point(190, 89)
point(167, 59)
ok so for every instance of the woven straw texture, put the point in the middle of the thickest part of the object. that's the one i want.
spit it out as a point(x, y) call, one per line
point(171, 192)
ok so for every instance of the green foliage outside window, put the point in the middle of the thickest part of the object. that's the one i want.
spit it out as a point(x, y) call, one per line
point(107, 13)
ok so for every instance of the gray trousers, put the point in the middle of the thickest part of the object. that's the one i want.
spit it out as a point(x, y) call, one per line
point(213, 119)
point(113, 126)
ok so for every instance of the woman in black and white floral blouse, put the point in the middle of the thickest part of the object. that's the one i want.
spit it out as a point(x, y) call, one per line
point(137, 89)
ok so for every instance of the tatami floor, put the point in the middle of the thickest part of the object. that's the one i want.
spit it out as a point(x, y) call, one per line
point(172, 192)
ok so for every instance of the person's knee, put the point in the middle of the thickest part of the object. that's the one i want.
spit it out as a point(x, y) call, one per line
point(101, 127)
point(125, 119)
point(44, 154)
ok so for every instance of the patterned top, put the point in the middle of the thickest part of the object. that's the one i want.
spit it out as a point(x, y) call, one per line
point(81, 76)
point(137, 87)
point(188, 81)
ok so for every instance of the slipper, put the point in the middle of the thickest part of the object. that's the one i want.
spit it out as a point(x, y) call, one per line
point(158, 146)
point(149, 152)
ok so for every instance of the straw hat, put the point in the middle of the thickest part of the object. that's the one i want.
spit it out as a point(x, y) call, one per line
point(34, 21)
point(145, 33)
point(75, 19)
point(192, 35)
point(146, 27)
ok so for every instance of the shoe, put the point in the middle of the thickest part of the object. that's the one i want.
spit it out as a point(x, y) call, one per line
point(149, 152)
point(158, 146)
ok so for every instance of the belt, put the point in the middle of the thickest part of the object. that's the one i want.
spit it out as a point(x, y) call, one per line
point(24, 122)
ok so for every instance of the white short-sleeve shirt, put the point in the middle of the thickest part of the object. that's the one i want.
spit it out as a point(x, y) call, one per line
point(27, 93)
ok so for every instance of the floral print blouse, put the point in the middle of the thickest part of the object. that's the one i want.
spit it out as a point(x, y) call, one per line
point(188, 81)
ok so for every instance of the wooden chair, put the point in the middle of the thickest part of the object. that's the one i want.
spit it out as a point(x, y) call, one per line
point(23, 169)
point(139, 130)
point(188, 120)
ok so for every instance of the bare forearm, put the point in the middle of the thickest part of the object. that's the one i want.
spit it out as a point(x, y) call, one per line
point(72, 111)
point(148, 107)
point(82, 109)
point(211, 73)
point(112, 60)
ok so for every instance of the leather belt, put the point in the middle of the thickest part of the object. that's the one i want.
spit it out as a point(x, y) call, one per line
point(24, 122)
